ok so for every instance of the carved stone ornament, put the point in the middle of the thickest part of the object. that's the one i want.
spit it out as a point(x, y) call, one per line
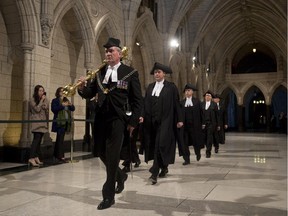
point(46, 27)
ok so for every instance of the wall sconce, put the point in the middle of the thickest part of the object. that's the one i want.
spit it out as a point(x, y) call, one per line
point(254, 50)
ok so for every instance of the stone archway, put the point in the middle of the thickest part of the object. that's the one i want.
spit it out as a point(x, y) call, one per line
point(255, 109)
point(278, 105)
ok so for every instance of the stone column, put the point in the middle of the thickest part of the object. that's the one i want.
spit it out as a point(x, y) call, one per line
point(240, 115)
point(268, 118)
point(25, 137)
point(87, 137)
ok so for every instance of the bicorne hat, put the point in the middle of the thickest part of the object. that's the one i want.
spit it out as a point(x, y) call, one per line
point(164, 68)
point(190, 86)
point(112, 42)
point(217, 96)
point(208, 92)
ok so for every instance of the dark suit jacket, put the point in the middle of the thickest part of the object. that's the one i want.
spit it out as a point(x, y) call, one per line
point(210, 114)
point(193, 119)
point(113, 105)
point(118, 98)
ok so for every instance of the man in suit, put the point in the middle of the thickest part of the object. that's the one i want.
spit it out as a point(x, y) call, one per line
point(210, 121)
point(118, 109)
point(161, 118)
point(192, 130)
point(219, 135)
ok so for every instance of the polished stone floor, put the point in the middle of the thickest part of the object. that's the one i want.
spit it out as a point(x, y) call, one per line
point(247, 177)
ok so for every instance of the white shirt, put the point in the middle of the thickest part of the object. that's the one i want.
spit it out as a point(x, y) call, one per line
point(157, 88)
point(188, 102)
point(113, 71)
point(218, 105)
point(207, 105)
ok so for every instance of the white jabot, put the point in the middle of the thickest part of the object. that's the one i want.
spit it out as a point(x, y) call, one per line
point(207, 105)
point(188, 102)
point(113, 71)
point(157, 88)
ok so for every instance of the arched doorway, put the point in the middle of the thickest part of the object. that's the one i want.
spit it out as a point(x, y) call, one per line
point(230, 102)
point(255, 115)
point(278, 106)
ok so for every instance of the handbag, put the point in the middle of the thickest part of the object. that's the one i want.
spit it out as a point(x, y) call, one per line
point(62, 121)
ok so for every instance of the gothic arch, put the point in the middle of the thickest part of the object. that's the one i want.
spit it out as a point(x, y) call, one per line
point(29, 23)
point(85, 24)
point(145, 28)
point(105, 22)
point(178, 65)
point(276, 86)
point(259, 85)
point(145, 31)
point(104, 28)
point(226, 86)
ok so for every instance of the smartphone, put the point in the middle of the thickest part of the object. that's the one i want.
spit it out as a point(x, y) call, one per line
point(44, 93)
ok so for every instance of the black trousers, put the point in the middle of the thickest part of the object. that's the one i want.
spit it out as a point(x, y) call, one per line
point(59, 145)
point(216, 139)
point(190, 139)
point(208, 137)
point(35, 146)
point(110, 155)
point(131, 154)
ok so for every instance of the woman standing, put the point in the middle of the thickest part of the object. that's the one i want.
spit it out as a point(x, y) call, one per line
point(39, 110)
point(61, 107)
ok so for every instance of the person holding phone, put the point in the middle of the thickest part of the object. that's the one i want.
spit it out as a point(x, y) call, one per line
point(39, 110)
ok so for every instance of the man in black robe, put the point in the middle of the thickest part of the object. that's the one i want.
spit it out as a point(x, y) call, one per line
point(118, 109)
point(210, 121)
point(192, 130)
point(161, 117)
point(219, 134)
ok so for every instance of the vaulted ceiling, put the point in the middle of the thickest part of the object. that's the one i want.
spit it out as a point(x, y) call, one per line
point(228, 28)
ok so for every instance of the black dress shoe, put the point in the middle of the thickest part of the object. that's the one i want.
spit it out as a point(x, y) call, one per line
point(198, 157)
point(137, 164)
point(120, 185)
point(208, 154)
point(163, 172)
point(186, 163)
point(106, 203)
point(216, 150)
point(153, 179)
point(126, 169)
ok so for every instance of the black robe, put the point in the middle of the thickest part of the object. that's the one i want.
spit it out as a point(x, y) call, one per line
point(170, 113)
point(193, 122)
